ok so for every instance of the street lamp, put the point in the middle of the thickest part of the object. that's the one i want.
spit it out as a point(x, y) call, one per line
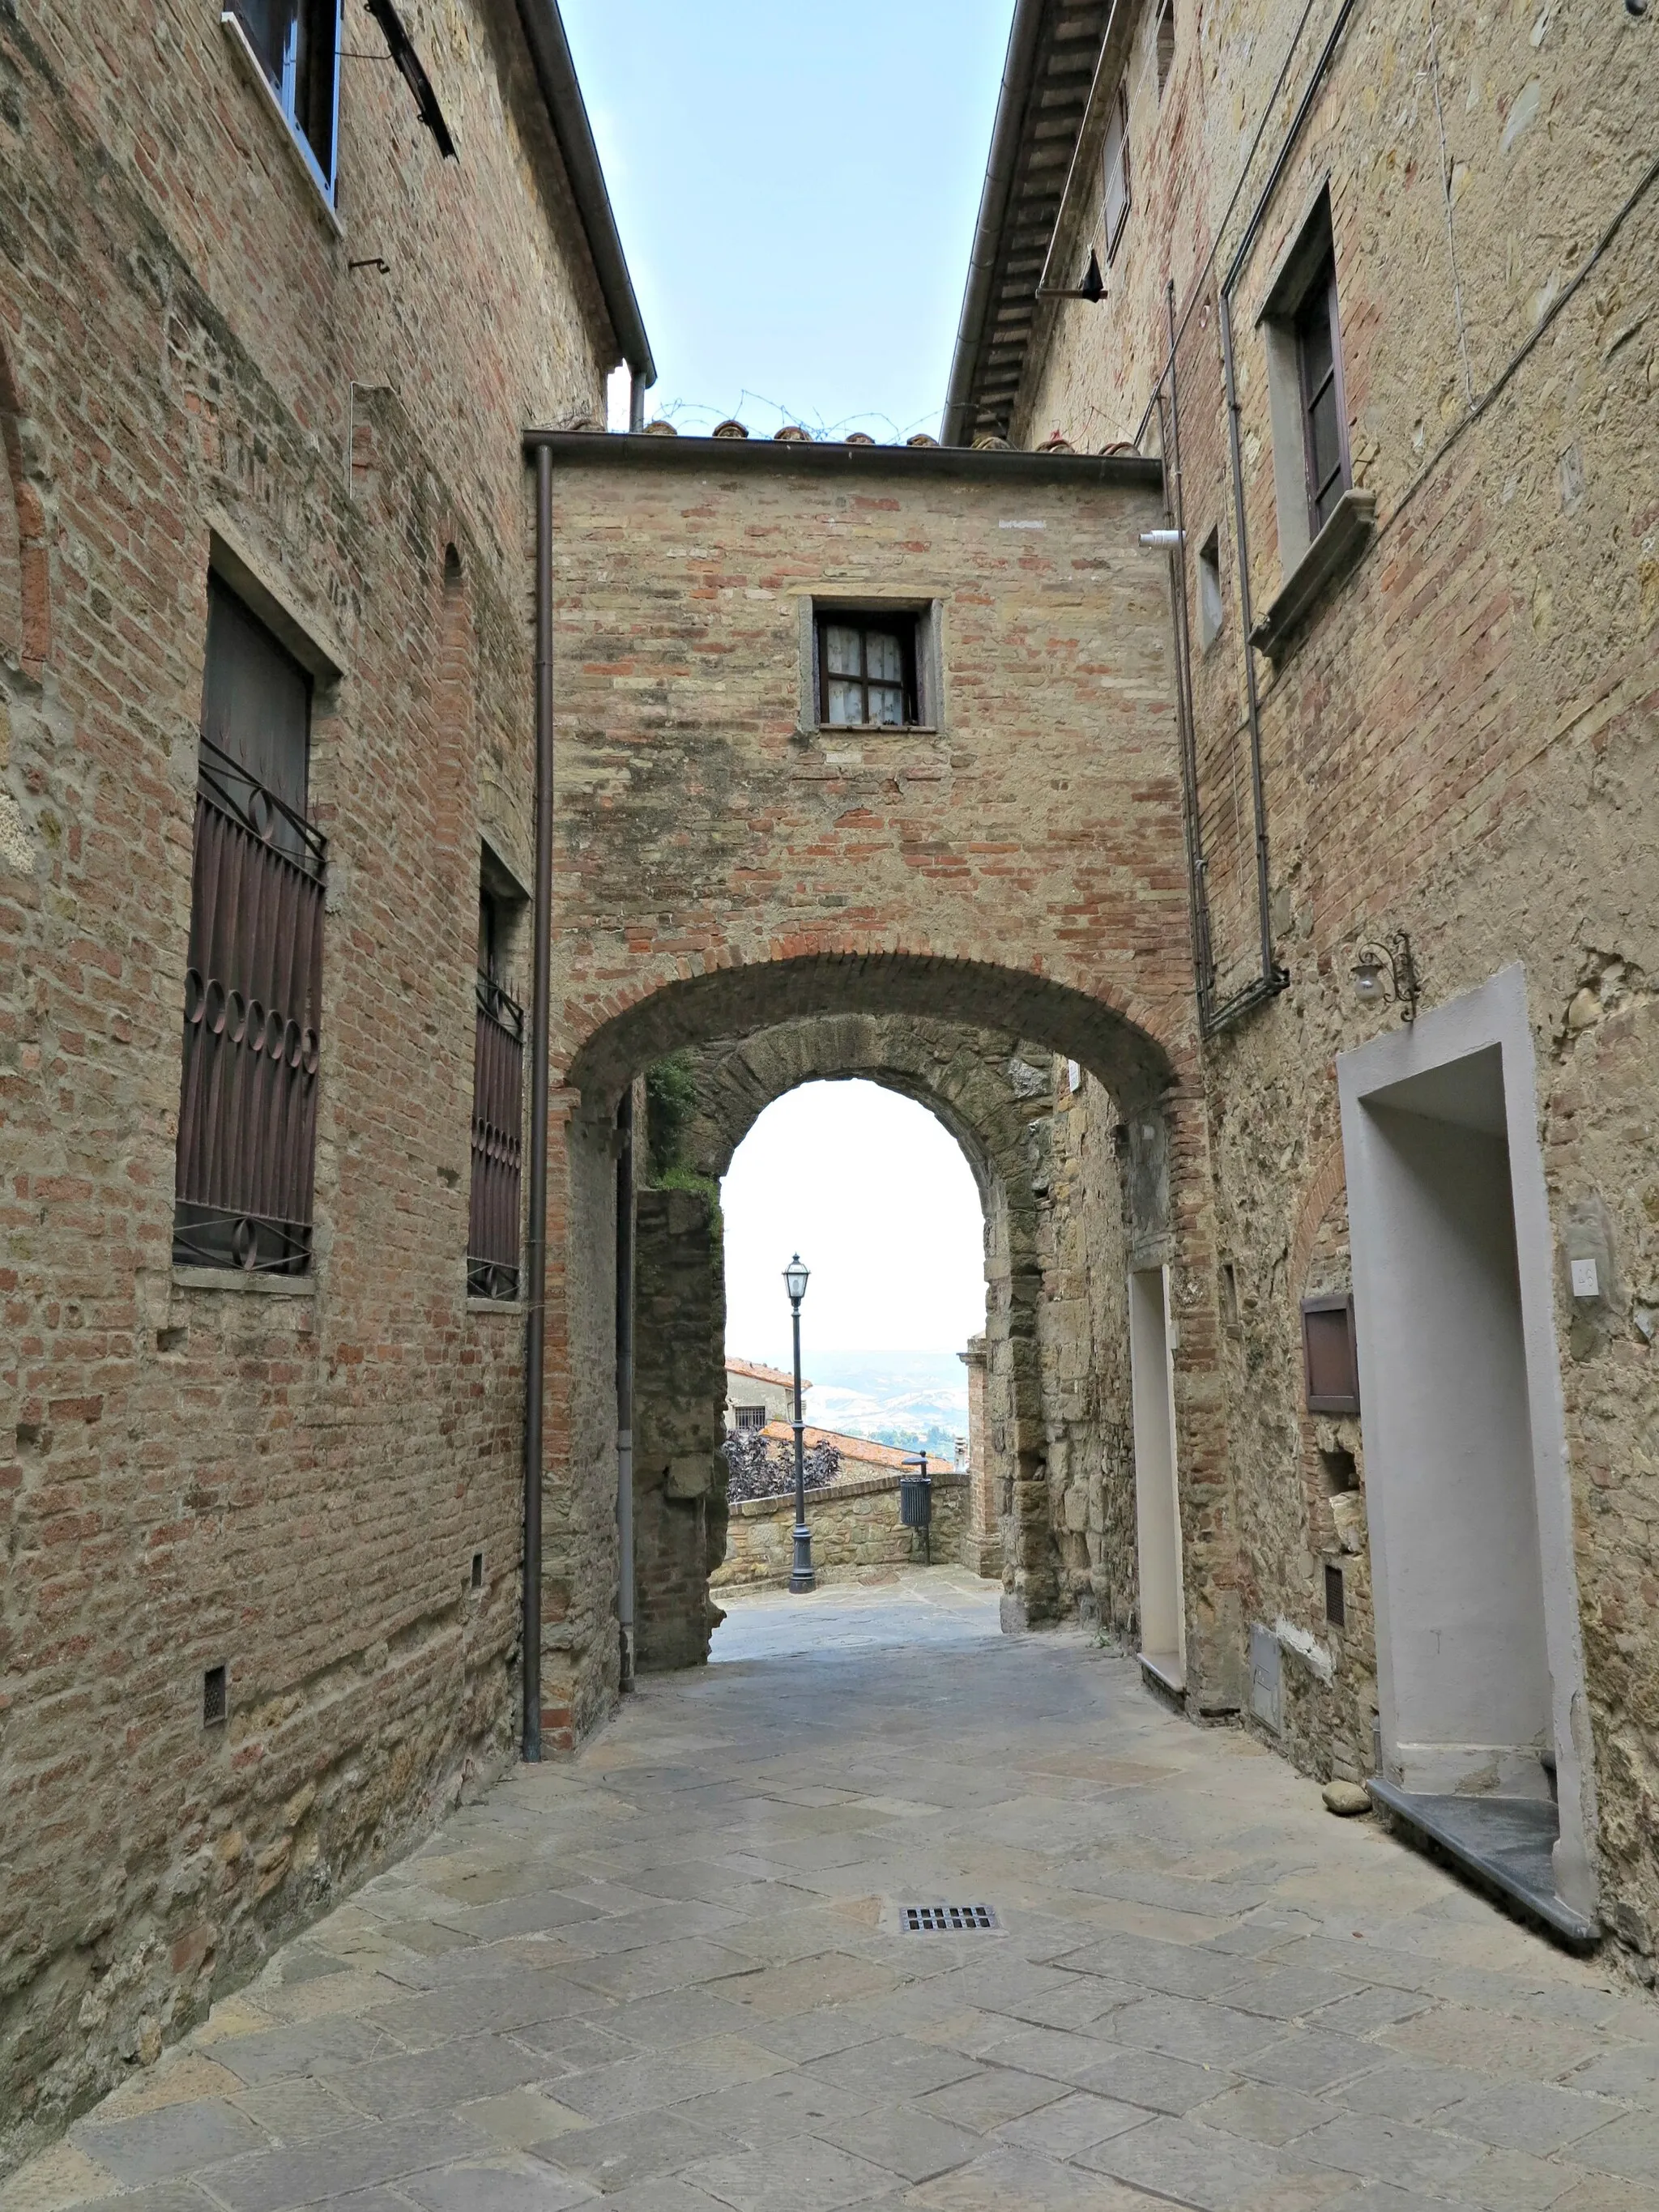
point(801, 1575)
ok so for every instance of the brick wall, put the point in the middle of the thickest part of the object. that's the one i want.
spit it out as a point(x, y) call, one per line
point(293, 1483)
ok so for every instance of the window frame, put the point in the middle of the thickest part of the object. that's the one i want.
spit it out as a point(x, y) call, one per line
point(1117, 127)
point(1322, 294)
point(284, 100)
point(1210, 618)
point(744, 1420)
point(906, 620)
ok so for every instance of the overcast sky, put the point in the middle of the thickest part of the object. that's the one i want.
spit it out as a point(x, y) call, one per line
point(875, 1196)
point(796, 187)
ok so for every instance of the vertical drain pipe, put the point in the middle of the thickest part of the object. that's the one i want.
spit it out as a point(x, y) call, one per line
point(625, 1381)
point(540, 999)
point(636, 401)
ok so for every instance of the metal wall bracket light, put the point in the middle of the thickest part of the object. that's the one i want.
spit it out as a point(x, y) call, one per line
point(1092, 288)
point(1404, 985)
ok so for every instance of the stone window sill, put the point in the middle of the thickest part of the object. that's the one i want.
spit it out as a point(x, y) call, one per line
point(1316, 574)
point(837, 734)
point(241, 1284)
point(494, 1305)
point(299, 152)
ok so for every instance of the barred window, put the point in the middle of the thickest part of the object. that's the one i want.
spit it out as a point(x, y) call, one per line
point(750, 1416)
point(493, 1232)
point(247, 1114)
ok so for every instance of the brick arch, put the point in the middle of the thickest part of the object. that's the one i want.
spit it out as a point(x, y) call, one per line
point(734, 1000)
point(24, 529)
point(1330, 1181)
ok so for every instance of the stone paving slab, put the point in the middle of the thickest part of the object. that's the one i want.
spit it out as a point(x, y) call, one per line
point(667, 1977)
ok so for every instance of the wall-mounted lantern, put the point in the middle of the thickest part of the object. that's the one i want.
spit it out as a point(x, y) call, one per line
point(1385, 971)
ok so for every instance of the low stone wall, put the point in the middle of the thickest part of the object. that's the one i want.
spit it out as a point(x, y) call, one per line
point(855, 1525)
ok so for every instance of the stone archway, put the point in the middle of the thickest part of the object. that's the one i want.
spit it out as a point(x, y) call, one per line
point(901, 1017)
point(993, 1091)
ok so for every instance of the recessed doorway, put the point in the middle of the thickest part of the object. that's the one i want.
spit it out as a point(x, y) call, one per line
point(1480, 1662)
point(1158, 1513)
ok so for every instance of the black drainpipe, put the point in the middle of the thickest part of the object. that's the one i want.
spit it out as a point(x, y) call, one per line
point(625, 1381)
point(540, 999)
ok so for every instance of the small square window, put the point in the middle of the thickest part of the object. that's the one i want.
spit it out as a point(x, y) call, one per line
point(1117, 169)
point(1330, 1358)
point(750, 1416)
point(867, 670)
point(1210, 605)
point(1166, 31)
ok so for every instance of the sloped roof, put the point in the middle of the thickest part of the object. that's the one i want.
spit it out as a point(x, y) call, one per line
point(1054, 49)
point(859, 1448)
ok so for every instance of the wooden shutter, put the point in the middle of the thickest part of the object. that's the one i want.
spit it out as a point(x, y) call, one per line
point(1330, 1358)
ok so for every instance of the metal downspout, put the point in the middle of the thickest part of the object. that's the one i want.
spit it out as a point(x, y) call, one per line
point(625, 1381)
point(636, 402)
point(540, 1000)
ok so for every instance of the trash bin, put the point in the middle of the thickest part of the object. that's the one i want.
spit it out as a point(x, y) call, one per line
point(916, 1503)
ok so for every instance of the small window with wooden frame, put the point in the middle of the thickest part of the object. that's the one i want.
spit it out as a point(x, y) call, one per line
point(868, 668)
point(1330, 1355)
point(1117, 167)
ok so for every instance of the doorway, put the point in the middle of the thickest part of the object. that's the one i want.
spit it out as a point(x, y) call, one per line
point(1158, 1510)
point(1480, 1662)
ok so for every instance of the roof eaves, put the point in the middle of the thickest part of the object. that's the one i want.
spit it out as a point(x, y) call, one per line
point(556, 72)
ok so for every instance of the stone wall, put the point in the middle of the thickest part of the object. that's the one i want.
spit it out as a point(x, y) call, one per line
point(855, 1529)
point(291, 1481)
point(679, 1390)
point(1462, 742)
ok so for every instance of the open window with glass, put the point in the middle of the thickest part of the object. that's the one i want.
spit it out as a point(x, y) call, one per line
point(295, 45)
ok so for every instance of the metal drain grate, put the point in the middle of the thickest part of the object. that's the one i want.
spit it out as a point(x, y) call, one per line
point(945, 1919)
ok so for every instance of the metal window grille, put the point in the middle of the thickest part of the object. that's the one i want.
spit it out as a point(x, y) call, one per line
point(868, 672)
point(247, 1116)
point(492, 1242)
point(750, 1416)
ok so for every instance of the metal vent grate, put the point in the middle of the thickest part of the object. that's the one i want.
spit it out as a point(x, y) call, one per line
point(945, 1919)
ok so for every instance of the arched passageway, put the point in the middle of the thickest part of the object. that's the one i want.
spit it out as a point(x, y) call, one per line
point(1077, 1132)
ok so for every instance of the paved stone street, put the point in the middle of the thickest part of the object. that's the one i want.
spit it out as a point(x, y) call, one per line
point(670, 1975)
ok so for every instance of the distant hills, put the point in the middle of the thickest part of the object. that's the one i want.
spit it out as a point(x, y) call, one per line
point(913, 1399)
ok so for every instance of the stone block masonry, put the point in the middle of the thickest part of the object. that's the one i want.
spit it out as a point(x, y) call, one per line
point(856, 1531)
point(289, 1480)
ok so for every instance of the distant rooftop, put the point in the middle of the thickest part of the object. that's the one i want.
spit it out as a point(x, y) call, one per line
point(756, 1373)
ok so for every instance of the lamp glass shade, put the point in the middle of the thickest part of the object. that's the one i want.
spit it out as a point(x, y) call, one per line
point(1368, 980)
point(795, 1280)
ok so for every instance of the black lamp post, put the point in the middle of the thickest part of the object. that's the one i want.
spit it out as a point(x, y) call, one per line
point(801, 1577)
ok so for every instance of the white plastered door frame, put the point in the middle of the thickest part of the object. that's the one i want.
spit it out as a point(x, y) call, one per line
point(1481, 1668)
point(1158, 1509)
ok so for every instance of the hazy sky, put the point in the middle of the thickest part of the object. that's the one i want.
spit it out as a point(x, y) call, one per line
point(796, 187)
point(877, 1197)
